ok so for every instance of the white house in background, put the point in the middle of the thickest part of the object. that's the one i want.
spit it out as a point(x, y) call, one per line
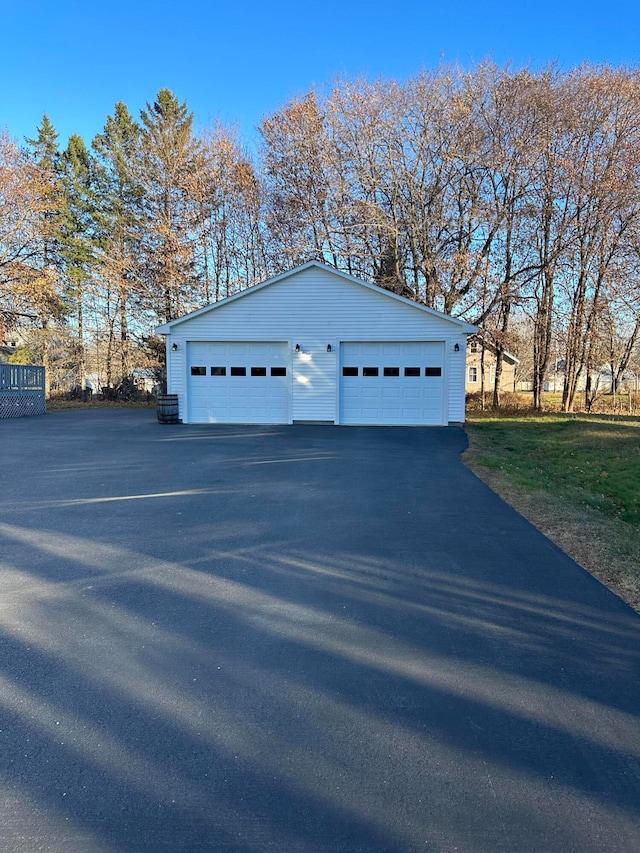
point(317, 345)
point(601, 379)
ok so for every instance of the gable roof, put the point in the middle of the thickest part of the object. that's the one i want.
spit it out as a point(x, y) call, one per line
point(166, 328)
point(487, 343)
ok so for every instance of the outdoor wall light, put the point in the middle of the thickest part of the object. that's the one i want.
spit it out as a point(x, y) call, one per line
point(328, 347)
point(174, 347)
point(297, 347)
point(456, 348)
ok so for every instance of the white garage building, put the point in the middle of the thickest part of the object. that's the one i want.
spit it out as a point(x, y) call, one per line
point(317, 345)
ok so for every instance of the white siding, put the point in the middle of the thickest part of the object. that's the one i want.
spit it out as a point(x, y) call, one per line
point(313, 308)
point(177, 371)
point(456, 370)
point(314, 382)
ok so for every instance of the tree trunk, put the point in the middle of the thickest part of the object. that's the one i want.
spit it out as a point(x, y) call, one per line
point(124, 333)
point(82, 365)
point(46, 359)
point(482, 374)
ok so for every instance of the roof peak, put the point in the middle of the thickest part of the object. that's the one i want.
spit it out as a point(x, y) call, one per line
point(466, 328)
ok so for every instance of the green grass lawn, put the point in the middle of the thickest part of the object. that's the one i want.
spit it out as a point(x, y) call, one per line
point(588, 459)
point(577, 477)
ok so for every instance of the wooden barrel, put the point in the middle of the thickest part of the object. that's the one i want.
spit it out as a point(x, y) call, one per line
point(167, 409)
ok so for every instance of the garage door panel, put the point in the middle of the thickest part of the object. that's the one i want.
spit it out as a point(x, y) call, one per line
point(258, 393)
point(411, 393)
point(420, 397)
point(239, 413)
point(391, 349)
point(217, 392)
point(368, 393)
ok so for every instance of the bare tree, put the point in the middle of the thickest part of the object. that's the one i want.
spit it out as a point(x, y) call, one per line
point(227, 196)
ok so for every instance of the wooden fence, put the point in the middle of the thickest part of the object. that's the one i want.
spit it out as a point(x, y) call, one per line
point(21, 391)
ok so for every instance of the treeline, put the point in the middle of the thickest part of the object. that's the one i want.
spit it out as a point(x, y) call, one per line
point(511, 198)
point(99, 244)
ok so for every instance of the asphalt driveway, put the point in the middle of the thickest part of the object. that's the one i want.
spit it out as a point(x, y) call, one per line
point(297, 639)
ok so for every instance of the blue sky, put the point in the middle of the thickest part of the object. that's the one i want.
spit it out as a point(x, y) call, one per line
point(240, 61)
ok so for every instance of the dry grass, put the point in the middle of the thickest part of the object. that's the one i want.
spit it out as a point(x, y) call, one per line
point(521, 402)
point(60, 404)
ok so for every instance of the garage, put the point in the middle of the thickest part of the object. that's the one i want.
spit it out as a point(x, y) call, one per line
point(316, 345)
point(392, 383)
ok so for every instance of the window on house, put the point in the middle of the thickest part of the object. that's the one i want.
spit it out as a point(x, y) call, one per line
point(473, 374)
point(474, 346)
point(198, 371)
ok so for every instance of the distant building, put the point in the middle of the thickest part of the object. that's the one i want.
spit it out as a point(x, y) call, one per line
point(10, 341)
point(473, 383)
point(601, 379)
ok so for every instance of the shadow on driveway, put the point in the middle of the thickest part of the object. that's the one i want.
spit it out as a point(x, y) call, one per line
point(298, 639)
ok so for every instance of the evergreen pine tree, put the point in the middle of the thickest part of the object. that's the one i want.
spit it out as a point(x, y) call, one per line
point(45, 146)
point(168, 156)
point(50, 304)
point(46, 156)
point(117, 148)
point(78, 233)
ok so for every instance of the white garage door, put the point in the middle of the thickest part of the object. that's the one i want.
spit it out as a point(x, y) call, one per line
point(238, 383)
point(392, 383)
